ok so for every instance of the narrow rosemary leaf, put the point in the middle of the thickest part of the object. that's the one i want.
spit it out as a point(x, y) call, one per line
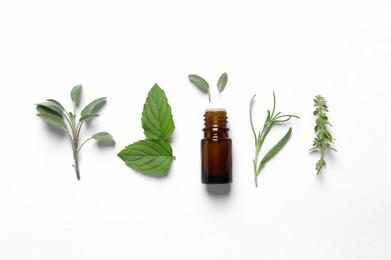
point(148, 156)
point(277, 147)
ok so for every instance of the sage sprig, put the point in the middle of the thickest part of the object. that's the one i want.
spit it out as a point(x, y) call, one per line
point(322, 141)
point(271, 120)
point(202, 84)
point(55, 114)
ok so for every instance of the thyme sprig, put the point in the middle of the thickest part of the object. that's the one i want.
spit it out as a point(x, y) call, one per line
point(322, 141)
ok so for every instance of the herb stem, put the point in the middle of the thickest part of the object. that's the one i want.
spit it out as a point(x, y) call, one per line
point(83, 144)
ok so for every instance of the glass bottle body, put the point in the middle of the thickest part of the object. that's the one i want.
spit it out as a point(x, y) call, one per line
point(216, 149)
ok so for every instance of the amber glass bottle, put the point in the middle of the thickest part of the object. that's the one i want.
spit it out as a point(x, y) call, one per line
point(216, 148)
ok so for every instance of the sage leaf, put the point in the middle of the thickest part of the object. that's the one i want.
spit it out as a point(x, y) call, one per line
point(53, 120)
point(87, 116)
point(103, 136)
point(51, 106)
point(58, 104)
point(94, 106)
point(277, 147)
point(46, 110)
point(222, 82)
point(156, 117)
point(148, 156)
point(199, 82)
point(75, 93)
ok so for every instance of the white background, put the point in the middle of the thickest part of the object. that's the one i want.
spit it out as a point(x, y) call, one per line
point(119, 49)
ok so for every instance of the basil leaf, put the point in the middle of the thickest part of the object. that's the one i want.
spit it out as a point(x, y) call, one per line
point(156, 118)
point(87, 116)
point(103, 136)
point(222, 82)
point(148, 156)
point(53, 120)
point(277, 147)
point(94, 106)
point(75, 93)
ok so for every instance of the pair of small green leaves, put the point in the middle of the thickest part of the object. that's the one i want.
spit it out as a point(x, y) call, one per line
point(204, 85)
point(55, 114)
point(154, 154)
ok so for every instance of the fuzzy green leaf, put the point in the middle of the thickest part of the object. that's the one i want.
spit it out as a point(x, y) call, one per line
point(87, 116)
point(53, 120)
point(222, 82)
point(148, 156)
point(49, 105)
point(199, 82)
point(75, 93)
point(277, 147)
point(94, 106)
point(58, 104)
point(103, 136)
point(156, 118)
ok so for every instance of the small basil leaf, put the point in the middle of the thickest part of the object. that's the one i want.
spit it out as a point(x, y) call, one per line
point(148, 156)
point(75, 93)
point(53, 120)
point(94, 106)
point(222, 82)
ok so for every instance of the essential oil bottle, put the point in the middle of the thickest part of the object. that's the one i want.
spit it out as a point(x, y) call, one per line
point(216, 148)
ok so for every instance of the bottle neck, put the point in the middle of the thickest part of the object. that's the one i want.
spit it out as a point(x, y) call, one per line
point(216, 124)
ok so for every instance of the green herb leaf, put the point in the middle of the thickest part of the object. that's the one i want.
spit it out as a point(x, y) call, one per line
point(54, 113)
point(75, 93)
point(103, 136)
point(148, 156)
point(58, 104)
point(222, 82)
point(94, 106)
point(53, 120)
point(200, 83)
point(277, 147)
point(156, 118)
point(87, 116)
point(49, 105)
point(271, 120)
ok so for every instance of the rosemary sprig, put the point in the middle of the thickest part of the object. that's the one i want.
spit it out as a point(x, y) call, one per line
point(271, 119)
point(323, 139)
